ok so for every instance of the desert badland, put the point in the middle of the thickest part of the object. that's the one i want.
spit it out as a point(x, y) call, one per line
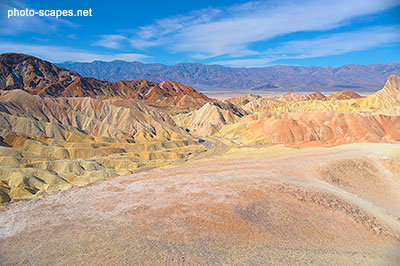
point(136, 172)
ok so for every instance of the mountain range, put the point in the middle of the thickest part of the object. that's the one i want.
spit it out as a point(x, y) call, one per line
point(360, 78)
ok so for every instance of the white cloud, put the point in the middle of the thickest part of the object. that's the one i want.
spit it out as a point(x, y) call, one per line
point(61, 54)
point(340, 43)
point(110, 41)
point(72, 36)
point(140, 44)
point(215, 32)
point(250, 62)
point(327, 45)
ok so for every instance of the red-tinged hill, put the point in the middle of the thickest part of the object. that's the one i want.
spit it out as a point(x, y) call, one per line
point(345, 95)
point(39, 77)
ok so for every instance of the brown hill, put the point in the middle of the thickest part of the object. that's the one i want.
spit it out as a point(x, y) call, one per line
point(344, 95)
point(242, 100)
point(39, 77)
point(291, 97)
point(20, 71)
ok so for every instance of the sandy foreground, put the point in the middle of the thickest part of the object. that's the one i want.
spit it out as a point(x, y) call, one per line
point(250, 206)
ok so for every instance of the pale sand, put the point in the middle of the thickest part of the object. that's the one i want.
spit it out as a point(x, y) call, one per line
point(252, 206)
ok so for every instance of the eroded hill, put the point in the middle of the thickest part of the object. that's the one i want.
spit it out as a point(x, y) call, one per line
point(314, 119)
point(59, 129)
point(50, 144)
point(39, 77)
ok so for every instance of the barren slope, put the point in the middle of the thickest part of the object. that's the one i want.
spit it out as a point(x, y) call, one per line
point(314, 119)
point(50, 144)
point(210, 117)
point(39, 77)
point(312, 128)
point(252, 206)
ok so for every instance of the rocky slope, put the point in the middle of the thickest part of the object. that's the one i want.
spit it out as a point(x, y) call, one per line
point(39, 77)
point(208, 119)
point(51, 144)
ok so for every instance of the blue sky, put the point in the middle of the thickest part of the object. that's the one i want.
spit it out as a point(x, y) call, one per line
point(230, 33)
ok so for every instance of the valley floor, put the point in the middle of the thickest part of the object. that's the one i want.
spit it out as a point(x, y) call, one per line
point(225, 94)
point(265, 205)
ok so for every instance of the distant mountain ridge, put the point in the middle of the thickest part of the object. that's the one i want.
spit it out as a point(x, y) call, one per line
point(361, 78)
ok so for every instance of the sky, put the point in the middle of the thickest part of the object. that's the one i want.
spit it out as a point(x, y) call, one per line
point(230, 33)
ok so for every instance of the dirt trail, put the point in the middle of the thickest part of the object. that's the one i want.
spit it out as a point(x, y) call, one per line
point(215, 146)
